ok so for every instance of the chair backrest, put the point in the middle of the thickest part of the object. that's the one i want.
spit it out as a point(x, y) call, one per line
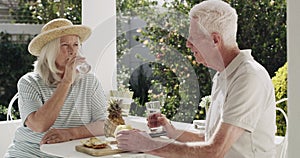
point(281, 146)
point(10, 105)
point(8, 128)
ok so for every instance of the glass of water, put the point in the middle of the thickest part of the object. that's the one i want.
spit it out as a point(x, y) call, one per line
point(153, 110)
point(82, 67)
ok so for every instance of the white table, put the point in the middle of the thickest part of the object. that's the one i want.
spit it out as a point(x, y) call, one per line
point(67, 149)
point(141, 123)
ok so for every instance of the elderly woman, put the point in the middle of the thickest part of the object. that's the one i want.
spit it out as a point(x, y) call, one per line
point(56, 102)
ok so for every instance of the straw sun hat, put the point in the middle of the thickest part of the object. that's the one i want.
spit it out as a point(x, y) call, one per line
point(54, 29)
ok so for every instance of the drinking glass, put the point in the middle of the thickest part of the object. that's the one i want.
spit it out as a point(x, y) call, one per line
point(153, 107)
point(82, 67)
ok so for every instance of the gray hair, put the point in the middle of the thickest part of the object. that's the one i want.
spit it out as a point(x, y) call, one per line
point(217, 16)
point(45, 64)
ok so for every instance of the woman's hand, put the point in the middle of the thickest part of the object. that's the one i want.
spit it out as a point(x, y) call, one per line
point(70, 69)
point(56, 136)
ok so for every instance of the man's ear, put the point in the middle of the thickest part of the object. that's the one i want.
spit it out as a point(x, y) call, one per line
point(216, 38)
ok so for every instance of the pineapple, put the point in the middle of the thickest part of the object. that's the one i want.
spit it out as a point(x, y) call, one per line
point(114, 117)
point(115, 112)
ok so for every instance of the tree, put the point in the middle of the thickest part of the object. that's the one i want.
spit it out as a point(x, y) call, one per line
point(15, 62)
point(40, 12)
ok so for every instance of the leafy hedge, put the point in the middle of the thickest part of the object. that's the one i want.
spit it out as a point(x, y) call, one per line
point(280, 84)
point(15, 61)
point(40, 12)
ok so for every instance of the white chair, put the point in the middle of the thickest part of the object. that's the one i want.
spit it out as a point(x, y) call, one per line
point(9, 115)
point(8, 128)
point(282, 141)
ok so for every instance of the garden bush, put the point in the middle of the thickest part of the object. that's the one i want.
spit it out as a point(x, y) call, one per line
point(15, 61)
point(280, 84)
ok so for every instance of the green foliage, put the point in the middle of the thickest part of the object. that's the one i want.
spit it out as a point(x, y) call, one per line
point(176, 64)
point(3, 112)
point(40, 12)
point(125, 81)
point(280, 84)
point(173, 71)
point(15, 61)
point(130, 7)
point(262, 27)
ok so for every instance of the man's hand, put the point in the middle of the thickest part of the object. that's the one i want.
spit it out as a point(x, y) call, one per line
point(135, 140)
point(159, 119)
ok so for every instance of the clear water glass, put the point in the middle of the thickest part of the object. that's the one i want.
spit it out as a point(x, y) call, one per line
point(83, 67)
point(153, 107)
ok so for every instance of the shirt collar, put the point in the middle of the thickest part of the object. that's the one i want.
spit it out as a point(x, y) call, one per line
point(234, 64)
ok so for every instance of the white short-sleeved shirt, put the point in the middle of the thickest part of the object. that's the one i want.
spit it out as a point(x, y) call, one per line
point(243, 95)
point(85, 103)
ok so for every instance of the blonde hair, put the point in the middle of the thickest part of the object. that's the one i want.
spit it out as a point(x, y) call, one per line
point(45, 64)
point(217, 16)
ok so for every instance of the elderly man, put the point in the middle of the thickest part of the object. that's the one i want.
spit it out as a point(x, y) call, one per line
point(241, 119)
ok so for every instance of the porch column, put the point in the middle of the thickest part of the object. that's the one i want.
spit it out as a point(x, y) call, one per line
point(100, 48)
point(293, 47)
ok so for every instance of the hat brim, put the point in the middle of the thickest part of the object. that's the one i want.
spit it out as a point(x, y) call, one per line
point(38, 42)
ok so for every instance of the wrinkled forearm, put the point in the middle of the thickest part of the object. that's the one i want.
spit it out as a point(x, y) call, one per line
point(185, 136)
point(187, 150)
point(216, 147)
point(42, 119)
point(88, 130)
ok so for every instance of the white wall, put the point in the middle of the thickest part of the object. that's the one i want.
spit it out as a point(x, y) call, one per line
point(293, 78)
point(100, 48)
point(31, 29)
